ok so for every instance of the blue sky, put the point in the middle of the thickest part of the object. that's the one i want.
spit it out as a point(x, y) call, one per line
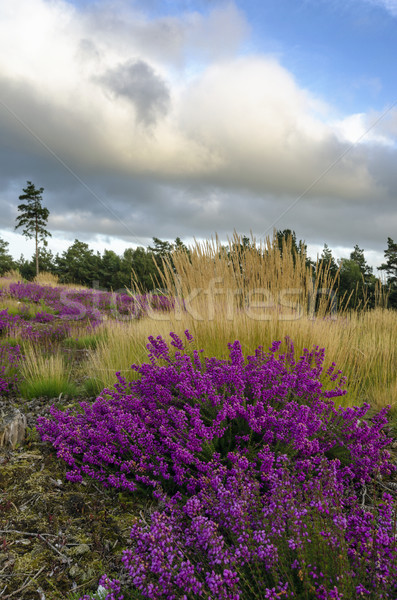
point(336, 49)
point(148, 118)
point(341, 49)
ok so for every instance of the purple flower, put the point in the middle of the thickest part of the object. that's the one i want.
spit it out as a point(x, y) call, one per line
point(258, 474)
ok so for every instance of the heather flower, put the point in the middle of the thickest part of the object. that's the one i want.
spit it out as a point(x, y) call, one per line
point(258, 474)
point(89, 306)
point(10, 357)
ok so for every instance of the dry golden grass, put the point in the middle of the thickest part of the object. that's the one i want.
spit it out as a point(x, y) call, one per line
point(211, 282)
point(120, 344)
point(72, 286)
point(361, 344)
point(12, 276)
point(52, 280)
point(44, 375)
point(255, 297)
point(12, 304)
point(218, 293)
point(37, 365)
point(45, 278)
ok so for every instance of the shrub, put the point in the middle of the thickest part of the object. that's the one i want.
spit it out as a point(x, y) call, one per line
point(10, 357)
point(259, 476)
point(43, 375)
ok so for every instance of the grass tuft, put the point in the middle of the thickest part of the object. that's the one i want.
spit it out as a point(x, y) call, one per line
point(43, 375)
point(45, 278)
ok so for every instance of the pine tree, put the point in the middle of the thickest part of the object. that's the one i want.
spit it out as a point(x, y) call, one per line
point(33, 217)
point(6, 261)
point(390, 266)
point(358, 256)
point(328, 261)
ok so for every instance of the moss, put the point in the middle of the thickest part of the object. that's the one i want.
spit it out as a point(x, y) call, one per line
point(30, 562)
point(87, 526)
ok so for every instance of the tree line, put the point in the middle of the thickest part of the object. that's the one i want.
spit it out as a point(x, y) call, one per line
point(80, 264)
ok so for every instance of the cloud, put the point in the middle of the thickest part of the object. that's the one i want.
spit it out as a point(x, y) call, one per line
point(174, 129)
point(376, 128)
point(389, 5)
point(137, 82)
point(267, 134)
point(168, 40)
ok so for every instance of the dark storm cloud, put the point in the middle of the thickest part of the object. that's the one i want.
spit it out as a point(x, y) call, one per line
point(137, 82)
point(223, 141)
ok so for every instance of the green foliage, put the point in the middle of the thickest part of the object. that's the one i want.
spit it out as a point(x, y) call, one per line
point(357, 280)
point(85, 341)
point(390, 268)
point(328, 261)
point(33, 217)
point(6, 261)
point(26, 268)
point(10, 341)
point(358, 256)
point(92, 387)
point(160, 248)
point(47, 387)
point(110, 269)
point(297, 248)
point(78, 264)
point(351, 282)
point(46, 260)
point(141, 262)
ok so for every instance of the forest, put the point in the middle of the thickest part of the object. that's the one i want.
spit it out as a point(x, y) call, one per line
point(354, 278)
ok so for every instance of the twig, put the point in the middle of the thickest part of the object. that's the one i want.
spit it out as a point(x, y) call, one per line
point(363, 496)
point(41, 593)
point(65, 558)
point(25, 584)
point(4, 575)
point(386, 486)
point(143, 518)
point(85, 584)
point(26, 533)
point(40, 536)
point(30, 501)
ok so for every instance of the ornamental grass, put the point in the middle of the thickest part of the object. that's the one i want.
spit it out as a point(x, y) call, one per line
point(45, 374)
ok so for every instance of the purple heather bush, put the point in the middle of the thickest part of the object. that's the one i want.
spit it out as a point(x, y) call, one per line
point(44, 332)
point(89, 305)
point(258, 475)
point(43, 317)
point(8, 322)
point(43, 328)
point(10, 356)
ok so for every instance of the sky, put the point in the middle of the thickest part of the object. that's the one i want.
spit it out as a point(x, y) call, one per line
point(187, 118)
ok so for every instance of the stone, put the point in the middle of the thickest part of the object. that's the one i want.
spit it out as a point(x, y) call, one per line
point(12, 427)
point(81, 549)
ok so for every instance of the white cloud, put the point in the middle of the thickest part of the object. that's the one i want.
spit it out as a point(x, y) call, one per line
point(266, 133)
point(239, 120)
point(362, 128)
point(171, 120)
point(389, 5)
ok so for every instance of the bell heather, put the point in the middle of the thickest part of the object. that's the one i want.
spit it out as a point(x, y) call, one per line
point(10, 356)
point(259, 475)
point(87, 304)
